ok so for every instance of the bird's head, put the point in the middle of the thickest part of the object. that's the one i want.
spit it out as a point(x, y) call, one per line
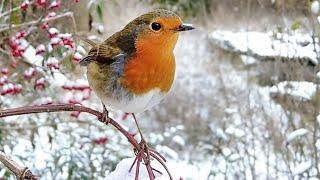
point(156, 31)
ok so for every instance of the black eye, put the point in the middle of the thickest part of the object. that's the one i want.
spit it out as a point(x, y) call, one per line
point(155, 26)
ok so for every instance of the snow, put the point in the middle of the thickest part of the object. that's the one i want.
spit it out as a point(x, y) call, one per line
point(300, 90)
point(302, 167)
point(178, 170)
point(235, 132)
point(315, 6)
point(267, 45)
point(297, 134)
point(248, 60)
point(53, 31)
point(30, 54)
point(179, 140)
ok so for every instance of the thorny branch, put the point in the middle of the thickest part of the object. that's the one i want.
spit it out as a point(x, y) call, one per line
point(99, 115)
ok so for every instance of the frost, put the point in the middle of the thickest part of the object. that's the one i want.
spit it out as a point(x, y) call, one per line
point(300, 90)
point(296, 134)
point(302, 167)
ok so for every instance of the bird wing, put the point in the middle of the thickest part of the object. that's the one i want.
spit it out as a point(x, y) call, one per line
point(102, 53)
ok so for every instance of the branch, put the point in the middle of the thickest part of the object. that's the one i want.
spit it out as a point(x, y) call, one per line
point(139, 147)
point(16, 169)
point(41, 20)
point(68, 107)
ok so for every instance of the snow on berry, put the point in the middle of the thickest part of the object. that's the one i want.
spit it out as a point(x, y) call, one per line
point(40, 49)
point(50, 15)
point(30, 73)
point(79, 85)
point(53, 32)
point(24, 5)
point(11, 89)
point(52, 63)
point(40, 83)
point(20, 34)
point(55, 4)
point(4, 71)
point(3, 80)
point(55, 41)
point(44, 101)
point(67, 40)
point(44, 26)
point(77, 56)
point(41, 3)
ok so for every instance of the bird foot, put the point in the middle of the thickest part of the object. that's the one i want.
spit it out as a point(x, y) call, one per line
point(144, 152)
point(105, 116)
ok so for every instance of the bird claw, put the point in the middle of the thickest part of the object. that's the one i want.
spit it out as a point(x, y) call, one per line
point(145, 153)
point(105, 116)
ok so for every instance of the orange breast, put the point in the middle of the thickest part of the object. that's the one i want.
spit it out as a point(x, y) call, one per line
point(153, 66)
point(147, 72)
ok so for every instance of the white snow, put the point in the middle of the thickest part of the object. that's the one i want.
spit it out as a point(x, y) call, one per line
point(248, 60)
point(30, 54)
point(297, 134)
point(315, 6)
point(235, 132)
point(300, 90)
point(53, 31)
point(178, 140)
point(267, 45)
point(302, 167)
point(177, 169)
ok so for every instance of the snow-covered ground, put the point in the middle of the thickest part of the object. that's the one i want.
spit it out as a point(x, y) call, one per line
point(270, 45)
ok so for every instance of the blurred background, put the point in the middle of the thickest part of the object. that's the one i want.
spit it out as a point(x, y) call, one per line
point(244, 105)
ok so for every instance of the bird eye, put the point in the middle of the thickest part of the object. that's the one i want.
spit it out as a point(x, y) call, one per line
point(155, 26)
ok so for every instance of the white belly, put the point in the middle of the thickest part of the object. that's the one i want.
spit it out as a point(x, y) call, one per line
point(135, 104)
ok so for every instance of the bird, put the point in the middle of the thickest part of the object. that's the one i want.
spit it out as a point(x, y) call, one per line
point(134, 69)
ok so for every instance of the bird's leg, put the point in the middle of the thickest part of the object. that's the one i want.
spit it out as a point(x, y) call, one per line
point(143, 144)
point(144, 153)
point(105, 115)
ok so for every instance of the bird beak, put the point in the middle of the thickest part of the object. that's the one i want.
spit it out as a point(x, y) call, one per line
point(184, 27)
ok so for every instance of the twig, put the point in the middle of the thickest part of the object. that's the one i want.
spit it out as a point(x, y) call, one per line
point(20, 172)
point(38, 21)
point(66, 107)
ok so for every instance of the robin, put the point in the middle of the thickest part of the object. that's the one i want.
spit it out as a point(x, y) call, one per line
point(134, 69)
